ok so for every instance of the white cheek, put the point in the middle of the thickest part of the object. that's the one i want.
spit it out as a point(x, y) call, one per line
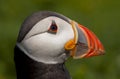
point(47, 47)
point(43, 48)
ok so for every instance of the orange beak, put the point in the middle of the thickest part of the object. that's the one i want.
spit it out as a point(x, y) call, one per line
point(85, 43)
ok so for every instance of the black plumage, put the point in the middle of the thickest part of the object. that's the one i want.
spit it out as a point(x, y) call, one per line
point(27, 68)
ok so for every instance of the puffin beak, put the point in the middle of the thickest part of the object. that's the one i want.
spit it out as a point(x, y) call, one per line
point(84, 44)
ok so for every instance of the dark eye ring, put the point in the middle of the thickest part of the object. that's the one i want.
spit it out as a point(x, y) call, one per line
point(53, 28)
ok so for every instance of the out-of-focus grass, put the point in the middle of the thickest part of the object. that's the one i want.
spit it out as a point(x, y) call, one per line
point(101, 16)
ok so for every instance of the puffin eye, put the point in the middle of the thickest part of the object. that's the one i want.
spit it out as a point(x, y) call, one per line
point(53, 28)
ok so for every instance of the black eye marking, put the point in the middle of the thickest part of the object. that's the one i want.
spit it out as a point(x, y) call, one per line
point(53, 28)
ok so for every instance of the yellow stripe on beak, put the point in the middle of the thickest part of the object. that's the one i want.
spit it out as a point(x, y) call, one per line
point(71, 44)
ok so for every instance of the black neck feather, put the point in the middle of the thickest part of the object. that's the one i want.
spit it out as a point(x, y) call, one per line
point(27, 68)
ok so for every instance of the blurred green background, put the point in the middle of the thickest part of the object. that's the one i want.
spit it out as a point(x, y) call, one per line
point(101, 16)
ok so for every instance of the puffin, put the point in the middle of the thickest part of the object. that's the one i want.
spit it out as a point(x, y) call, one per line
point(46, 40)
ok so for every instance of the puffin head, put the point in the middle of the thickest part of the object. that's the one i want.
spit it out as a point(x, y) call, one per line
point(51, 38)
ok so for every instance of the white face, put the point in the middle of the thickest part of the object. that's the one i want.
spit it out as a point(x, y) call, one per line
point(47, 47)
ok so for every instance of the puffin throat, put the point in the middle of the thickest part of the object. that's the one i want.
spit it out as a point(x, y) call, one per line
point(28, 68)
